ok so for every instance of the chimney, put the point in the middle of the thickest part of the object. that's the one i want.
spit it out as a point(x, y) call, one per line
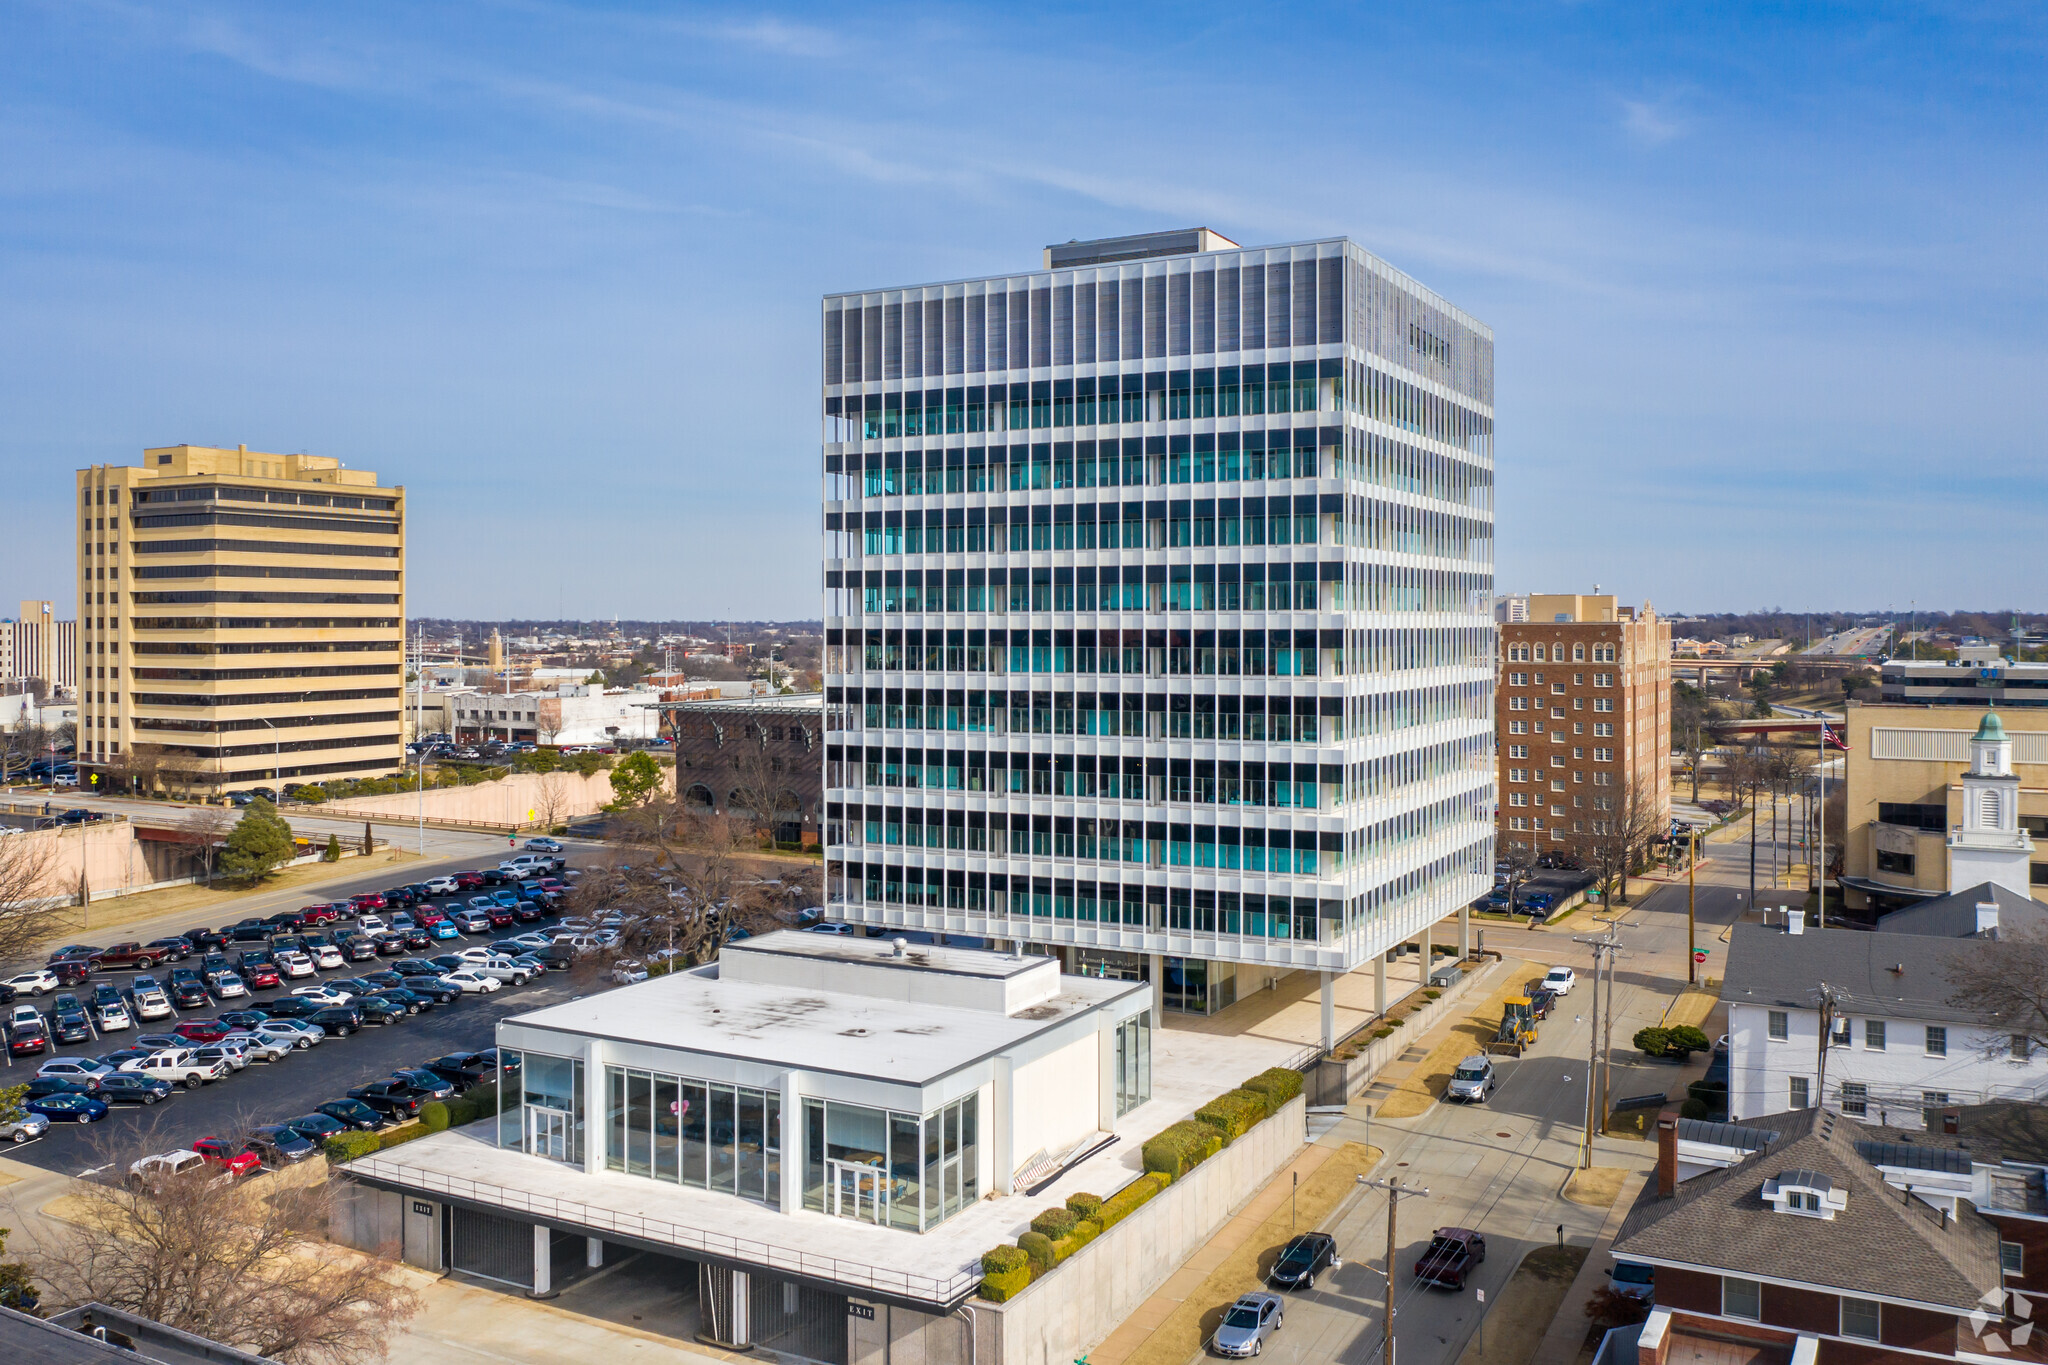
point(1987, 917)
point(1667, 1154)
point(1795, 921)
point(1952, 1121)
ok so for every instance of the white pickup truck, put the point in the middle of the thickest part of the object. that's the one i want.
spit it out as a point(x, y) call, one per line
point(179, 1065)
point(500, 968)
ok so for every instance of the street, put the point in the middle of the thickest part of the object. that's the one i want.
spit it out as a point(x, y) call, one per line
point(1499, 1167)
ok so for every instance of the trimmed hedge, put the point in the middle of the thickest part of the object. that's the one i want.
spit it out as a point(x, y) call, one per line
point(1058, 1233)
point(349, 1146)
point(1038, 1247)
point(1178, 1149)
point(1232, 1114)
point(1005, 1271)
point(440, 1115)
point(1055, 1223)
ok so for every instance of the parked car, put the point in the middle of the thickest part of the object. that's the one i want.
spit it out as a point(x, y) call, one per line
point(462, 1069)
point(226, 1050)
point(175, 949)
point(394, 1098)
point(1633, 1280)
point(1451, 1255)
point(36, 981)
point(279, 1145)
point(296, 1032)
point(82, 1070)
point(150, 1000)
point(381, 1009)
point(129, 955)
point(543, 844)
point(315, 1128)
point(337, 1020)
point(234, 1158)
point(262, 975)
point(179, 1065)
point(68, 1021)
point(471, 921)
point(326, 993)
point(1473, 1081)
point(259, 1047)
point(152, 1171)
point(68, 1108)
point(1305, 1256)
point(27, 1128)
point(197, 1032)
point(471, 982)
point(244, 1019)
point(188, 992)
point(294, 966)
point(128, 1088)
point(353, 1114)
point(1247, 1324)
point(1560, 980)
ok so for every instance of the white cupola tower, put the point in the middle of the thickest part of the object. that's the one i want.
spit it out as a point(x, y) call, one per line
point(1988, 845)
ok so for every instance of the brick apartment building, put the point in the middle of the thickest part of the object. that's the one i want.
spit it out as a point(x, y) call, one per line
point(1582, 716)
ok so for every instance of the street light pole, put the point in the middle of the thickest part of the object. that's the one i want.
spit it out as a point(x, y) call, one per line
point(1692, 881)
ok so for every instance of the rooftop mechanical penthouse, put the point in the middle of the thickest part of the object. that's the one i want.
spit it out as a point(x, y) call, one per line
point(1159, 608)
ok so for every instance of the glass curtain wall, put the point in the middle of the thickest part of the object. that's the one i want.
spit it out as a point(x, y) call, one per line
point(705, 1134)
point(1133, 1062)
point(547, 1119)
point(896, 1169)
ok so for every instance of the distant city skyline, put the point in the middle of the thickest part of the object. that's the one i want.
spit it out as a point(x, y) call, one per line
point(1766, 303)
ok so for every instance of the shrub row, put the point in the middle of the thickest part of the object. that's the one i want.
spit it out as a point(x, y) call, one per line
point(1058, 1233)
point(435, 1116)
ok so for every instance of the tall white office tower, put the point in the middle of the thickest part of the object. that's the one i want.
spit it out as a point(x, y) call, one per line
point(1159, 609)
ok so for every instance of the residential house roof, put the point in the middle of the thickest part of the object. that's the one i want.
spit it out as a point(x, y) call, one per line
point(1956, 916)
point(1882, 1243)
point(1897, 976)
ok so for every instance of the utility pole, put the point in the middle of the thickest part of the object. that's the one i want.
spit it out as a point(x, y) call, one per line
point(1604, 950)
point(1395, 1194)
point(1692, 970)
point(1831, 1000)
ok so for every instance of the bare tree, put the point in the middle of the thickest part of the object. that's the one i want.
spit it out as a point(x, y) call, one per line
point(2009, 987)
point(1624, 826)
point(551, 800)
point(210, 826)
point(243, 1264)
point(683, 889)
point(1689, 735)
point(758, 780)
point(30, 898)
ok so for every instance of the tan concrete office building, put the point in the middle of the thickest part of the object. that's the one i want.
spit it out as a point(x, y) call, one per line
point(1904, 772)
point(1582, 716)
point(241, 620)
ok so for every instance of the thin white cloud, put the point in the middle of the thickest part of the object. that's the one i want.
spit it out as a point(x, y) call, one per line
point(1648, 124)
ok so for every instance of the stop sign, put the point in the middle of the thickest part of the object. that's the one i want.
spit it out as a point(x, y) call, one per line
point(1699, 955)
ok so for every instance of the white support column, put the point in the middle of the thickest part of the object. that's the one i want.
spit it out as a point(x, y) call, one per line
point(791, 1195)
point(1105, 1077)
point(1158, 989)
point(1428, 951)
point(543, 1260)
point(1005, 1125)
point(1464, 932)
point(1329, 1010)
point(596, 1130)
point(593, 1252)
point(1379, 983)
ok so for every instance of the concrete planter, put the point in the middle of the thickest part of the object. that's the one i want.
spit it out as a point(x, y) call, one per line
point(1335, 1081)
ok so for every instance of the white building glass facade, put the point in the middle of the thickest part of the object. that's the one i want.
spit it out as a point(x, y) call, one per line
point(1159, 608)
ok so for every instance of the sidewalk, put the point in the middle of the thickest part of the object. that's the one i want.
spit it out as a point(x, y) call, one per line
point(1564, 1342)
point(1139, 1330)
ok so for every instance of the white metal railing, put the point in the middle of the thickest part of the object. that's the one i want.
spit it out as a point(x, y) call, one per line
point(945, 1291)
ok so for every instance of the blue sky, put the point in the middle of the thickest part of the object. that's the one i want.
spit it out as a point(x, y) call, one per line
point(1766, 281)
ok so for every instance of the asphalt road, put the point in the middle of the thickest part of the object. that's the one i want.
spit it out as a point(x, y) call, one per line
point(1499, 1167)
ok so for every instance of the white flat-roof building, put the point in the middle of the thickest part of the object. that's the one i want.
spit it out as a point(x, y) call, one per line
point(811, 1108)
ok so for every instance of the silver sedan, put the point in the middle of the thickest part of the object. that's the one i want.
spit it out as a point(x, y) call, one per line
point(1247, 1323)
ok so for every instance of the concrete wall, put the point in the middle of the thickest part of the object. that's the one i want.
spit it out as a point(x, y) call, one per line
point(386, 1222)
point(1087, 1297)
point(1055, 1101)
point(507, 801)
point(1336, 1082)
point(106, 852)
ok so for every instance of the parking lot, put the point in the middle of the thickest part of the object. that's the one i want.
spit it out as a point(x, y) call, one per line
point(295, 1084)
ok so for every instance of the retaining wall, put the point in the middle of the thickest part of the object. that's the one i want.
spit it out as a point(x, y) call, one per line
point(1335, 1082)
point(1090, 1294)
point(505, 802)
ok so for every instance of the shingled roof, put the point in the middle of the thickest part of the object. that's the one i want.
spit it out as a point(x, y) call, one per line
point(1881, 1244)
point(1897, 976)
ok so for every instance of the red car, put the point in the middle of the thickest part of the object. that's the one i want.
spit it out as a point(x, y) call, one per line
point(224, 1154)
point(318, 914)
point(469, 881)
point(368, 900)
point(500, 917)
point(129, 955)
point(262, 975)
point(202, 1031)
point(428, 915)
